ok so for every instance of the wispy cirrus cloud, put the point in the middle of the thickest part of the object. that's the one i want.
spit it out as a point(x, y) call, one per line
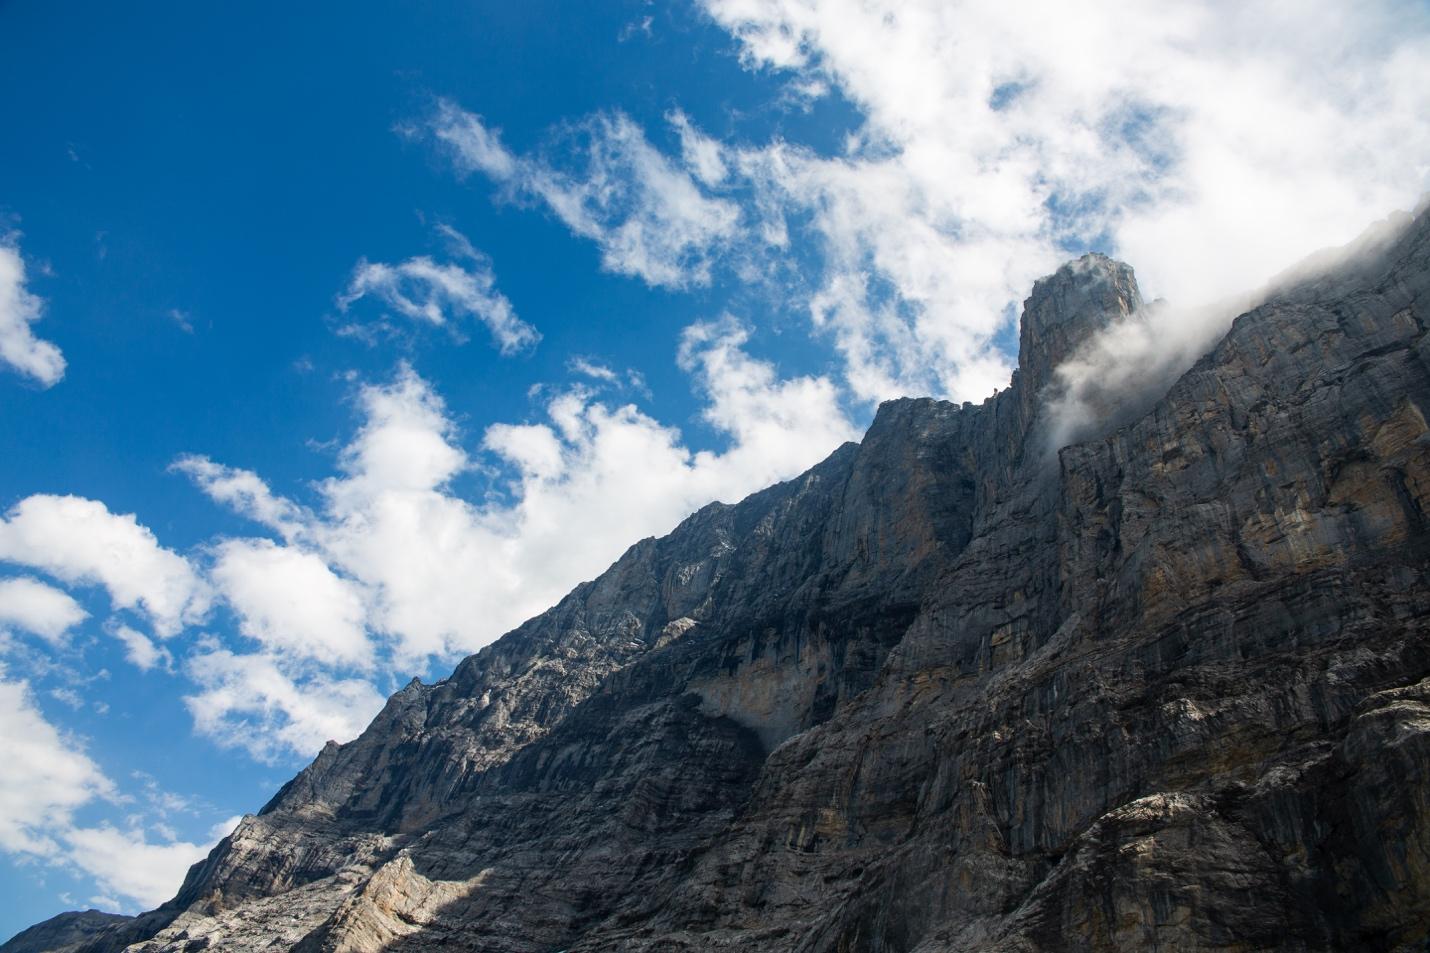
point(440, 294)
point(645, 213)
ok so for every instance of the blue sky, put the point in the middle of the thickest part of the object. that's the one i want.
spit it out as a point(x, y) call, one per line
point(382, 325)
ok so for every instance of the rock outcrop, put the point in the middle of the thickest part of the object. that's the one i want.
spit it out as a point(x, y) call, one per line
point(952, 689)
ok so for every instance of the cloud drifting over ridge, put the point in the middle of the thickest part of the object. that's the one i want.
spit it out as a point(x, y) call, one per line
point(1210, 145)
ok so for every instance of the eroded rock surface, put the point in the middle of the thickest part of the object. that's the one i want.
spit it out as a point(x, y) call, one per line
point(953, 689)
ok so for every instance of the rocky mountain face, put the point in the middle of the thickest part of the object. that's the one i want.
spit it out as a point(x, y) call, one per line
point(954, 688)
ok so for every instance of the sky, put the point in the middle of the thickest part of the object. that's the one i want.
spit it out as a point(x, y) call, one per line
point(337, 341)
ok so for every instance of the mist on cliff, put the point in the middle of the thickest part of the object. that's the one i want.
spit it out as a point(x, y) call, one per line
point(1121, 371)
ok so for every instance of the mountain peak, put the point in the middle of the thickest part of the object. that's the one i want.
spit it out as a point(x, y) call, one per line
point(1068, 307)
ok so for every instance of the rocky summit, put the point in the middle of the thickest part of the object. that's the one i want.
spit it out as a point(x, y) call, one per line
point(955, 688)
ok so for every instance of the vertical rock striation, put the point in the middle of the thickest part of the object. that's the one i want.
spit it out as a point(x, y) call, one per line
point(1166, 688)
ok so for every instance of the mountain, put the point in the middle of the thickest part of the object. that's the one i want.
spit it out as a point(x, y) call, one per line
point(955, 688)
point(64, 933)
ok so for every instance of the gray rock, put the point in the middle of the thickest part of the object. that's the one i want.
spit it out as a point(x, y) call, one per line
point(1164, 689)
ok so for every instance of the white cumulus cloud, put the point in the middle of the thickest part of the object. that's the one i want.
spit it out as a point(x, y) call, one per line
point(264, 704)
point(81, 541)
point(48, 777)
point(19, 309)
point(291, 602)
point(126, 863)
point(36, 607)
point(441, 574)
point(141, 650)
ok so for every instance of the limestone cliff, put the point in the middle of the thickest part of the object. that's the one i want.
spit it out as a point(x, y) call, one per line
point(952, 689)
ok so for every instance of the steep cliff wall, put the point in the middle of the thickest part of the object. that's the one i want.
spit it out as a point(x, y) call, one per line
point(953, 689)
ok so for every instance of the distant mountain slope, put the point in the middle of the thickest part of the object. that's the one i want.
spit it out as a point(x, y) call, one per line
point(63, 933)
point(953, 689)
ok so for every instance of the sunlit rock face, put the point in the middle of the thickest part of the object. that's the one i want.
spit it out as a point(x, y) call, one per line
point(1167, 688)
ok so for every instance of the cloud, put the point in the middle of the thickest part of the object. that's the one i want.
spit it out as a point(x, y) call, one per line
point(474, 146)
point(68, 696)
point(80, 541)
point(244, 491)
point(1210, 145)
point(702, 155)
point(441, 574)
point(19, 347)
point(631, 29)
point(225, 827)
point(773, 423)
point(593, 369)
point(1118, 373)
point(646, 214)
point(38, 608)
point(255, 703)
point(450, 574)
point(141, 650)
point(124, 862)
point(291, 602)
point(46, 778)
point(440, 294)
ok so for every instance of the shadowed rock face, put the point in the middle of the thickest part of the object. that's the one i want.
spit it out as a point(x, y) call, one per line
point(1166, 689)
